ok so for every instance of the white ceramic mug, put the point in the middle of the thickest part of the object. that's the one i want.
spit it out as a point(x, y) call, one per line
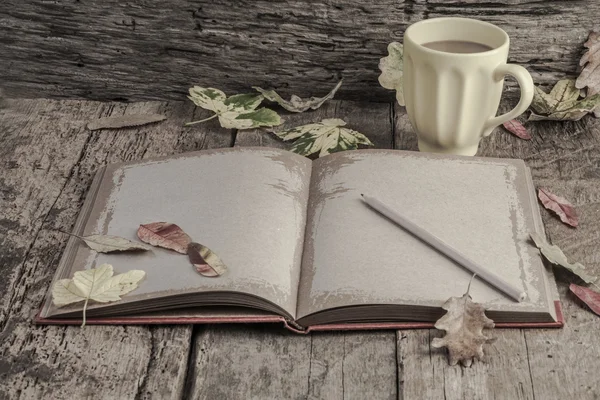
point(452, 98)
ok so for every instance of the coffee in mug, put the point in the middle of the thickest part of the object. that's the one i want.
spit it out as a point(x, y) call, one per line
point(454, 72)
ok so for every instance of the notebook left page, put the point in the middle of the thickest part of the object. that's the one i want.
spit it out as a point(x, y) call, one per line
point(248, 205)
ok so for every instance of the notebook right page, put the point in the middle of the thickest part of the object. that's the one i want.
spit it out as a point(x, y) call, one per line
point(480, 206)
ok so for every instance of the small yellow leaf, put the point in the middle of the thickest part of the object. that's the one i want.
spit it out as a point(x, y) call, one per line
point(97, 284)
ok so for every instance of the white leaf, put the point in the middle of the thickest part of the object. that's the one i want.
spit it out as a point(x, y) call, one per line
point(97, 284)
point(555, 255)
point(325, 137)
point(109, 243)
point(392, 70)
point(65, 292)
point(297, 104)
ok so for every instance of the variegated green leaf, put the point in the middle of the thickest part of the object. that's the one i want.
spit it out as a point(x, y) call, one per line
point(562, 103)
point(297, 104)
point(392, 69)
point(208, 98)
point(325, 137)
point(243, 102)
point(260, 117)
point(234, 112)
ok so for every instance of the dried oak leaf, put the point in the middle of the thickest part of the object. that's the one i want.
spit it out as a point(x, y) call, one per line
point(562, 103)
point(517, 129)
point(165, 234)
point(234, 112)
point(588, 296)
point(125, 121)
point(464, 323)
point(590, 75)
point(109, 243)
point(555, 255)
point(560, 206)
point(325, 137)
point(207, 263)
point(392, 70)
point(97, 284)
point(297, 104)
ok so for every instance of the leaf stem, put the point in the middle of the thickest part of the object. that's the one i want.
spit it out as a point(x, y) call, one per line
point(84, 311)
point(469, 287)
point(202, 120)
point(70, 234)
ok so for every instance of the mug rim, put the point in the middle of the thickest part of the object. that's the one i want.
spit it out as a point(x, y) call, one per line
point(439, 20)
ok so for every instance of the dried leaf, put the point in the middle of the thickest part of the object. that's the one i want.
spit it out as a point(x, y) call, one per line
point(588, 296)
point(554, 255)
point(297, 104)
point(325, 137)
point(165, 234)
point(463, 323)
point(206, 262)
point(125, 121)
point(392, 69)
point(97, 284)
point(562, 103)
point(109, 243)
point(235, 112)
point(560, 206)
point(590, 75)
point(517, 129)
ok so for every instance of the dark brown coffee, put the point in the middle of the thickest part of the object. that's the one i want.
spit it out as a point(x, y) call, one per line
point(457, 46)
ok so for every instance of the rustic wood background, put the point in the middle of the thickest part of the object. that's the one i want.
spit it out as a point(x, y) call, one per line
point(156, 49)
point(47, 162)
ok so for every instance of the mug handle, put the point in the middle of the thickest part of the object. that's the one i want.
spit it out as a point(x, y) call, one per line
point(526, 84)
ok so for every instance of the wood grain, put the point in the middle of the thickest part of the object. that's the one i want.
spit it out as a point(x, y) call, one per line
point(347, 365)
point(48, 159)
point(529, 364)
point(156, 49)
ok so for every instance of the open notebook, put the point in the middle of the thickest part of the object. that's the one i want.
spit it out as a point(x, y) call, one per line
point(302, 247)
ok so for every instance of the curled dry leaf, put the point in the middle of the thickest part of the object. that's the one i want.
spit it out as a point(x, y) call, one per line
point(297, 104)
point(588, 296)
point(207, 263)
point(234, 112)
point(97, 284)
point(517, 129)
point(560, 206)
point(325, 137)
point(109, 243)
point(464, 323)
point(555, 255)
point(562, 103)
point(590, 75)
point(392, 69)
point(165, 234)
point(125, 121)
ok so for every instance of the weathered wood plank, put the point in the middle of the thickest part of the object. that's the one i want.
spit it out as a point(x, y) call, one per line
point(325, 365)
point(543, 364)
point(353, 366)
point(155, 50)
point(50, 159)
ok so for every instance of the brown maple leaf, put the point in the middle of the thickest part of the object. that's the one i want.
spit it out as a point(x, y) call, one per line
point(463, 323)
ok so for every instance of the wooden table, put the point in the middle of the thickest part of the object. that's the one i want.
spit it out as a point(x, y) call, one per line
point(48, 159)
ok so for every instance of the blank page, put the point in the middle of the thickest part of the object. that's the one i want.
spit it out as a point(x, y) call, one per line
point(480, 206)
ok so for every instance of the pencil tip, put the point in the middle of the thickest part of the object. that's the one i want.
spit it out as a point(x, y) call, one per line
point(362, 195)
